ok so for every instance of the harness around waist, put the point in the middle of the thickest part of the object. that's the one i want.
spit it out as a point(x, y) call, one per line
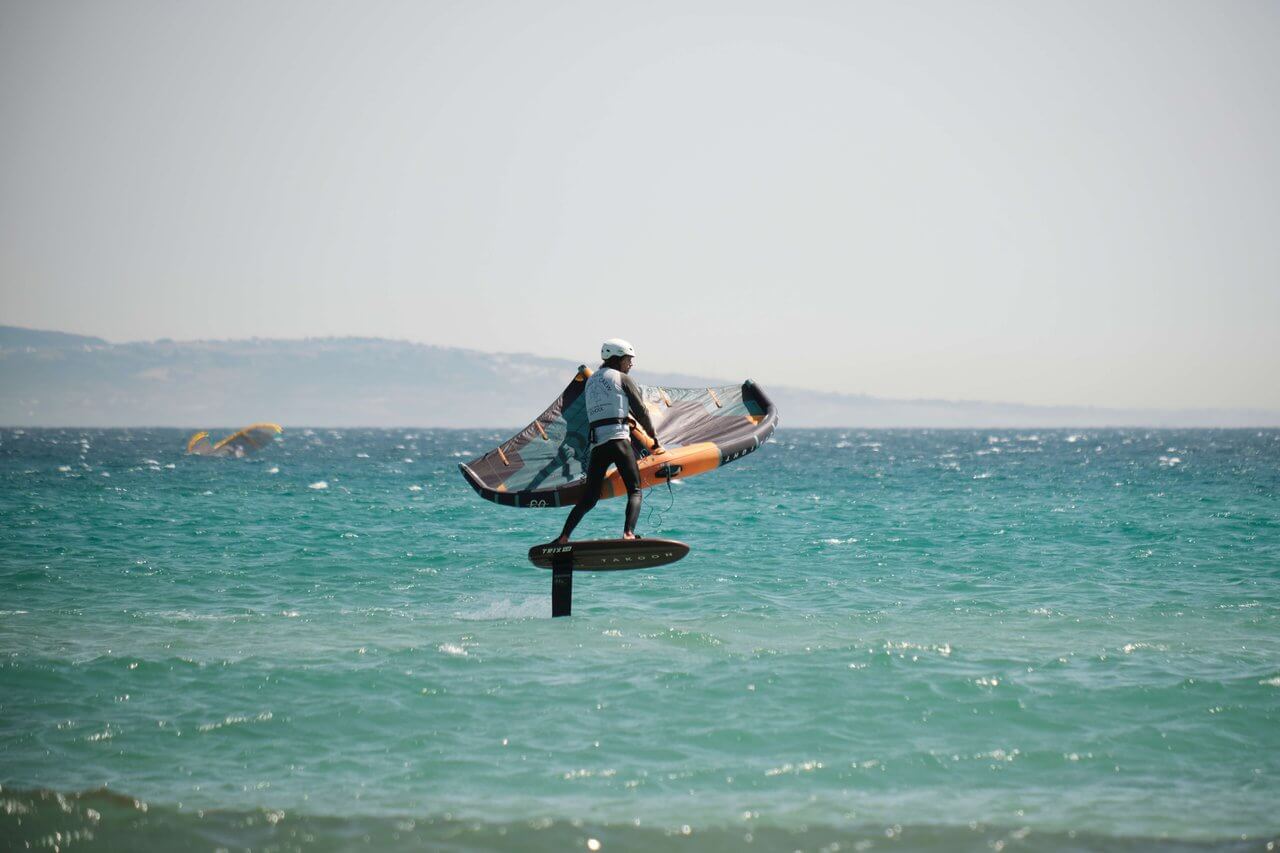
point(603, 422)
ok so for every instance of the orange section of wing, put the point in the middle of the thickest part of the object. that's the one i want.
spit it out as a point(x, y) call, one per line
point(638, 434)
point(693, 459)
point(276, 428)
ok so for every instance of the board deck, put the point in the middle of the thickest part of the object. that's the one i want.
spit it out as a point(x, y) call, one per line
point(608, 555)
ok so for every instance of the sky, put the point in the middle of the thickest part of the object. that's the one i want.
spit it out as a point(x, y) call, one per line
point(1051, 203)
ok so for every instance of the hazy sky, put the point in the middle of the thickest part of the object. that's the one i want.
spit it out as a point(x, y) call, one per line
point(1036, 202)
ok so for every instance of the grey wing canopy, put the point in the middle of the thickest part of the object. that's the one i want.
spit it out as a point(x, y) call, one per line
point(544, 465)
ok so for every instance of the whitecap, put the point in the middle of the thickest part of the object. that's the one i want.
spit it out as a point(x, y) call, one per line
point(902, 647)
point(318, 485)
point(530, 608)
point(788, 768)
point(452, 649)
point(1130, 648)
point(235, 719)
point(188, 616)
point(273, 470)
point(415, 488)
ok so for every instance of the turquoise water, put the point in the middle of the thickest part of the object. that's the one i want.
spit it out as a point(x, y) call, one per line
point(890, 639)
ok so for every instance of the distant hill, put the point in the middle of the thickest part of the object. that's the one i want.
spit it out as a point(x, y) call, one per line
point(15, 337)
point(55, 379)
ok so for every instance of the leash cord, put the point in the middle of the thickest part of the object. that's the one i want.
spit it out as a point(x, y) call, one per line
point(662, 516)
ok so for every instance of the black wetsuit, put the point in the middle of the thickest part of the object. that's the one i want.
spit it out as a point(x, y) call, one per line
point(617, 452)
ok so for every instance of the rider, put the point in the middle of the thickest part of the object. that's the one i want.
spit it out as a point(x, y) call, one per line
point(612, 395)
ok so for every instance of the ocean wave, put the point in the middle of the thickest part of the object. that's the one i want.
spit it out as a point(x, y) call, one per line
point(103, 818)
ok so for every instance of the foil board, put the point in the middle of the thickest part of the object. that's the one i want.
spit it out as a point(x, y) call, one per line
point(609, 555)
point(599, 555)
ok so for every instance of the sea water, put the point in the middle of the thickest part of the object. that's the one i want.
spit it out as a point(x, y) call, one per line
point(880, 640)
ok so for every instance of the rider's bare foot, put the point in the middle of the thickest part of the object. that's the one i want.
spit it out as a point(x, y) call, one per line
point(628, 535)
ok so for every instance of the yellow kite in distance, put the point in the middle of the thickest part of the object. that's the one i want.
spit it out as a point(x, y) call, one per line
point(236, 445)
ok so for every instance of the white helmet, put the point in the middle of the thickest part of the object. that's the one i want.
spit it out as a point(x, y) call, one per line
point(616, 346)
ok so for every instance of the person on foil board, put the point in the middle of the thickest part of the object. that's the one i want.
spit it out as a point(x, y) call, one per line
point(612, 397)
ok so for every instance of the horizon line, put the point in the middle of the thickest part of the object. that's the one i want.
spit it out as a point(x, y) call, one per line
point(1186, 410)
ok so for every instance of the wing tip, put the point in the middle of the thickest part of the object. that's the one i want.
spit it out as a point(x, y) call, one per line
point(471, 477)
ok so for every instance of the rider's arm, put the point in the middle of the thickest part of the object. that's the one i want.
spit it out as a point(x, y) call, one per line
point(639, 410)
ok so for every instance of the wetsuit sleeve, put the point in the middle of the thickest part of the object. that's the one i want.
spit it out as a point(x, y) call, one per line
point(638, 409)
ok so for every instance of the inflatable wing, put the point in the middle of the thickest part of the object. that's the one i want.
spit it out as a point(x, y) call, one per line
point(237, 444)
point(544, 465)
